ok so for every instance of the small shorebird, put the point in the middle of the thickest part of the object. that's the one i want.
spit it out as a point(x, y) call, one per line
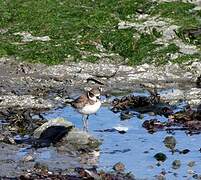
point(87, 104)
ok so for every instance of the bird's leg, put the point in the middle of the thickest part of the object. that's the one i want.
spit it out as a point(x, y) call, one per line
point(84, 122)
point(87, 123)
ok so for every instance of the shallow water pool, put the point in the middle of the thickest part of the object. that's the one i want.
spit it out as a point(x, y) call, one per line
point(136, 148)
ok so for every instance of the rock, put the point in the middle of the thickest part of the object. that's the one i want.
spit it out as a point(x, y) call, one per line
point(126, 115)
point(191, 163)
point(160, 177)
point(176, 164)
point(63, 133)
point(120, 167)
point(81, 141)
point(41, 166)
point(151, 113)
point(28, 158)
point(185, 151)
point(197, 176)
point(170, 142)
point(140, 116)
point(27, 37)
point(160, 157)
point(53, 122)
point(51, 135)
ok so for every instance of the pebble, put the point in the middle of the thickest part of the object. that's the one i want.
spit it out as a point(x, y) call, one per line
point(120, 167)
point(185, 151)
point(170, 142)
point(176, 164)
point(191, 163)
point(28, 158)
point(160, 157)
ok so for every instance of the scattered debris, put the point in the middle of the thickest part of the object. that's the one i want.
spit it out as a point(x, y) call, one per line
point(121, 129)
point(154, 125)
point(41, 172)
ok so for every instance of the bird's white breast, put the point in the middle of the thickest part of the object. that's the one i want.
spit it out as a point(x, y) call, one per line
point(90, 108)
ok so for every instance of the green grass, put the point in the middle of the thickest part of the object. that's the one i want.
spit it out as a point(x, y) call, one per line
point(75, 26)
point(186, 58)
point(181, 13)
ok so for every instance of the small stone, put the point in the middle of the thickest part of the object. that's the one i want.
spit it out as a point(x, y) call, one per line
point(119, 167)
point(170, 142)
point(191, 163)
point(160, 177)
point(126, 115)
point(190, 171)
point(185, 151)
point(41, 166)
point(140, 116)
point(151, 113)
point(195, 176)
point(176, 164)
point(160, 157)
point(159, 163)
point(28, 158)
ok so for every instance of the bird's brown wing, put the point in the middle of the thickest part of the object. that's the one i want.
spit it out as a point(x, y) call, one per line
point(79, 102)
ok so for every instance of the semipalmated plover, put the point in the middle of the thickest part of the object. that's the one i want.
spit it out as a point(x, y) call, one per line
point(87, 104)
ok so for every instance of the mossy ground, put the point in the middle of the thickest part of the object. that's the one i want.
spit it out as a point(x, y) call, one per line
point(76, 26)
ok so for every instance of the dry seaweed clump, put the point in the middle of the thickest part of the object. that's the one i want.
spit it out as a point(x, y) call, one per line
point(188, 121)
point(141, 104)
point(177, 118)
point(133, 102)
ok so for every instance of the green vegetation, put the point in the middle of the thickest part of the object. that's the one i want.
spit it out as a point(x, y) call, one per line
point(186, 58)
point(75, 27)
point(181, 13)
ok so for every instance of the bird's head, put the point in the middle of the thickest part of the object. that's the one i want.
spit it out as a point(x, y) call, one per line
point(94, 93)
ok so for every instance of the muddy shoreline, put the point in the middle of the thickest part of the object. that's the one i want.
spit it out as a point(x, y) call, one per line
point(27, 90)
point(40, 86)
